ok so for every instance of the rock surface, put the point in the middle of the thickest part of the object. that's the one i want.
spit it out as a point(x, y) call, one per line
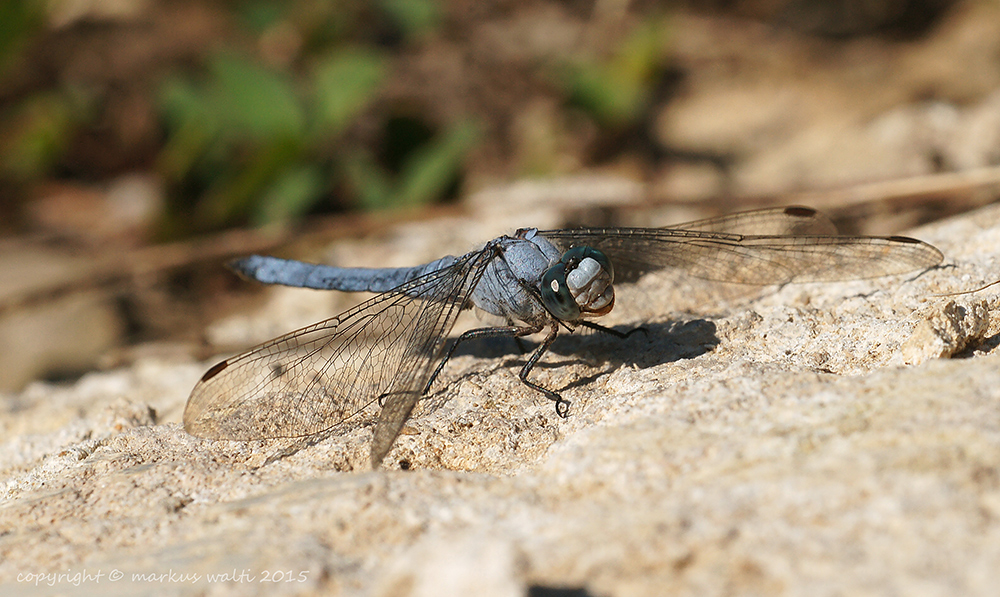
point(807, 440)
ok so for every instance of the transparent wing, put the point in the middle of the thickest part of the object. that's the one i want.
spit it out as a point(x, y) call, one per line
point(776, 221)
point(314, 378)
point(710, 249)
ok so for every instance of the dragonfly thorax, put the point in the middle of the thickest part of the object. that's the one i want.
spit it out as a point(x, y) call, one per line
point(579, 285)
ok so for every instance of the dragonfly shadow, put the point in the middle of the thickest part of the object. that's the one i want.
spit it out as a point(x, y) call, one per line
point(653, 344)
point(646, 346)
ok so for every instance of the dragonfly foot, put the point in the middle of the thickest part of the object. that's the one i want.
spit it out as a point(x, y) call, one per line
point(562, 407)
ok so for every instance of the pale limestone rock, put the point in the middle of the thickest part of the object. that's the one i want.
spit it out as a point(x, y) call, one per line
point(751, 442)
point(947, 332)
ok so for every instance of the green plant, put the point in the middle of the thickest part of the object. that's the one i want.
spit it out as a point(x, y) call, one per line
point(615, 91)
point(37, 131)
point(424, 174)
point(257, 147)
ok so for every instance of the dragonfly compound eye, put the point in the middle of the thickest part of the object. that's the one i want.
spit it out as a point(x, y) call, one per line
point(579, 283)
point(578, 254)
point(556, 294)
point(589, 276)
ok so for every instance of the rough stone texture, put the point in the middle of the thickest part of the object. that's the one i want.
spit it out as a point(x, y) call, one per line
point(751, 442)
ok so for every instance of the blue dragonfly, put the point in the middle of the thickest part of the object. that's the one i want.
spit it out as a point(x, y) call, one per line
point(390, 349)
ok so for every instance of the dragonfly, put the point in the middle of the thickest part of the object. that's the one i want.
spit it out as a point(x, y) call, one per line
point(390, 349)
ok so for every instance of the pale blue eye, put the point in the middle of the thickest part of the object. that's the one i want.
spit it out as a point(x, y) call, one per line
point(578, 254)
point(555, 291)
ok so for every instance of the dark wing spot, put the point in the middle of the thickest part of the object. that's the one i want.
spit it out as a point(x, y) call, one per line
point(800, 212)
point(277, 370)
point(905, 239)
point(215, 370)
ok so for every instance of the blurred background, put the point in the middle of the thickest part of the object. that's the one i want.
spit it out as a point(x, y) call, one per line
point(145, 142)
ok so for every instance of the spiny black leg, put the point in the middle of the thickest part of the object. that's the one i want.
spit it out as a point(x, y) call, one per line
point(507, 330)
point(562, 405)
point(613, 332)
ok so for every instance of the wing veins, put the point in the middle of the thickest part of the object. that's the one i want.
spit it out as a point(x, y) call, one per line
point(236, 387)
point(752, 259)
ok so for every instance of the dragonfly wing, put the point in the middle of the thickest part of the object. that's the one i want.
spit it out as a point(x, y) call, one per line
point(314, 378)
point(776, 221)
point(754, 259)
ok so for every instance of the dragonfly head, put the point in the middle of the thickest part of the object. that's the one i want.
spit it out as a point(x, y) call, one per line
point(580, 284)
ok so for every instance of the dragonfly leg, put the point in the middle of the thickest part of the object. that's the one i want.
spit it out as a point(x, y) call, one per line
point(562, 405)
point(508, 330)
point(613, 332)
